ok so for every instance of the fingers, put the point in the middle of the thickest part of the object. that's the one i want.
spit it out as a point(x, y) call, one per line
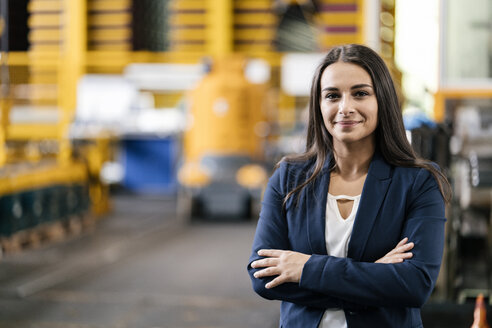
point(270, 252)
point(271, 263)
point(275, 282)
point(285, 265)
point(404, 248)
point(402, 242)
point(398, 254)
point(401, 247)
point(404, 256)
point(271, 260)
point(395, 258)
point(268, 272)
point(268, 262)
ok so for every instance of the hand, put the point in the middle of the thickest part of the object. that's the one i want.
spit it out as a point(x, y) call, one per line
point(286, 265)
point(399, 253)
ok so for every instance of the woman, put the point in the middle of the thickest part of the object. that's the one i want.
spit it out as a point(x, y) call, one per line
point(338, 222)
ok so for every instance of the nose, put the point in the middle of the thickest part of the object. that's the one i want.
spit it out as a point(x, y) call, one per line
point(345, 106)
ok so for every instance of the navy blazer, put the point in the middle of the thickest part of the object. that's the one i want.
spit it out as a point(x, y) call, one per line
point(396, 202)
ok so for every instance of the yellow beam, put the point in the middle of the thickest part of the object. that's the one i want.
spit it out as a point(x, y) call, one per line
point(187, 34)
point(42, 176)
point(45, 35)
point(113, 34)
point(44, 6)
point(41, 59)
point(18, 58)
point(4, 99)
point(259, 18)
point(187, 19)
point(109, 5)
point(44, 20)
point(187, 4)
point(104, 19)
point(32, 131)
point(72, 66)
point(257, 34)
point(4, 123)
point(336, 18)
point(442, 95)
point(123, 58)
point(219, 27)
point(253, 4)
point(120, 59)
point(254, 50)
point(330, 40)
point(322, 2)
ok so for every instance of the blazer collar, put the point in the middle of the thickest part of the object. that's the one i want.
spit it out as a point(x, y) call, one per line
point(373, 193)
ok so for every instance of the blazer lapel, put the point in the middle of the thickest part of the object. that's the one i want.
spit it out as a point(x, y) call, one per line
point(373, 193)
point(316, 196)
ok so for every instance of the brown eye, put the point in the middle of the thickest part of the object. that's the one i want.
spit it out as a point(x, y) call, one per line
point(361, 94)
point(331, 96)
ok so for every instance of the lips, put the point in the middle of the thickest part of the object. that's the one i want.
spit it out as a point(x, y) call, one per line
point(347, 123)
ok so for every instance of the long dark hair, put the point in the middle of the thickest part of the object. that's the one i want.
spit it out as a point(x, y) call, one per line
point(390, 136)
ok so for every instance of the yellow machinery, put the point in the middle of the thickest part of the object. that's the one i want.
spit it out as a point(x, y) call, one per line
point(225, 108)
point(223, 143)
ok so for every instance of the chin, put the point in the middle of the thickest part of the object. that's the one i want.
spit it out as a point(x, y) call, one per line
point(351, 139)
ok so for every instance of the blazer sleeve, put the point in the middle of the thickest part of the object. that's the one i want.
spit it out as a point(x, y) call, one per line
point(407, 284)
point(272, 233)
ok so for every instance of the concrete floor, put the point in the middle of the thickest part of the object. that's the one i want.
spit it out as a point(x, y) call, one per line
point(140, 267)
point(143, 268)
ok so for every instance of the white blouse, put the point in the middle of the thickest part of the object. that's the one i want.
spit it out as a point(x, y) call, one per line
point(337, 236)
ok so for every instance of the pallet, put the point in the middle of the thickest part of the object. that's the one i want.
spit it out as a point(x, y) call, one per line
point(45, 234)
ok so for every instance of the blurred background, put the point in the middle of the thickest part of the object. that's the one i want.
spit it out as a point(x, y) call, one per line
point(136, 137)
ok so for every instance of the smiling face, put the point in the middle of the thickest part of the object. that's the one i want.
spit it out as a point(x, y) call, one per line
point(348, 104)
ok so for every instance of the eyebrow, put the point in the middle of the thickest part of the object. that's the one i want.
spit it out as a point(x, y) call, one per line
point(357, 86)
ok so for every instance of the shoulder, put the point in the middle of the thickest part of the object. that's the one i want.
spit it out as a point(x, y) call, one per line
point(295, 166)
point(410, 172)
point(290, 173)
point(382, 168)
point(414, 172)
point(296, 170)
point(416, 178)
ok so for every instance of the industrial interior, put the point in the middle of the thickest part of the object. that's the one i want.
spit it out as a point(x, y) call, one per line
point(137, 136)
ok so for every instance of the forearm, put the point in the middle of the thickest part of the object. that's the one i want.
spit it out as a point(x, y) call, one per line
point(292, 292)
point(371, 284)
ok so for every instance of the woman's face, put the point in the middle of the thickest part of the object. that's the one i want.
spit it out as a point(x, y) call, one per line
point(348, 104)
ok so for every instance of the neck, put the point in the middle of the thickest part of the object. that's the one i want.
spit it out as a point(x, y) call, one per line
point(353, 159)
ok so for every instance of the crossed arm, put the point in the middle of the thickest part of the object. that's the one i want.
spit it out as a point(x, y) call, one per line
point(272, 238)
point(287, 265)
